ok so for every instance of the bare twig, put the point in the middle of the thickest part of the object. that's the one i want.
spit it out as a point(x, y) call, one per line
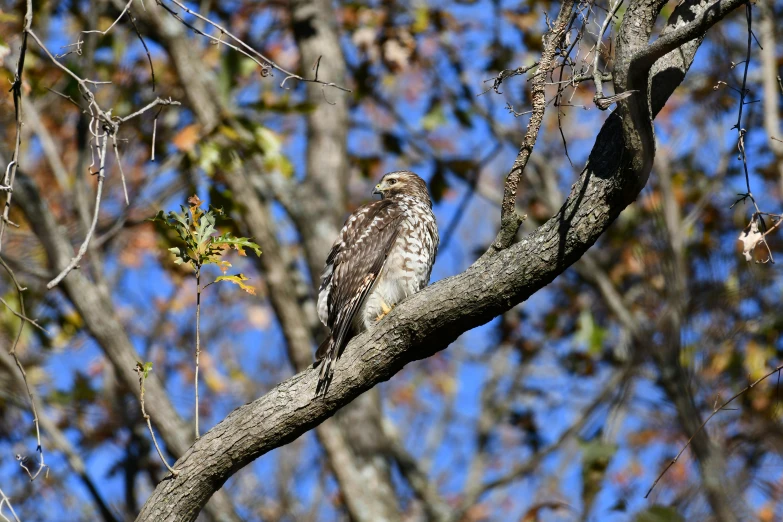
point(141, 371)
point(22, 314)
point(154, 103)
point(4, 501)
point(264, 62)
point(146, 50)
point(715, 411)
point(198, 339)
point(23, 317)
point(16, 88)
point(77, 49)
point(119, 164)
point(154, 132)
point(125, 10)
point(743, 92)
point(509, 219)
point(98, 193)
point(597, 76)
point(505, 74)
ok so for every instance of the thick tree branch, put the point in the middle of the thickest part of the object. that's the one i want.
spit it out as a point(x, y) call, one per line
point(430, 320)
point(696, 28)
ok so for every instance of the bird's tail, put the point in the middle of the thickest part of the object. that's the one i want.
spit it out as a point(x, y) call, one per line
point(326, 355)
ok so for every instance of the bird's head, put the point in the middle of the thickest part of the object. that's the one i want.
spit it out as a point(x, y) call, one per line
point(401, 182)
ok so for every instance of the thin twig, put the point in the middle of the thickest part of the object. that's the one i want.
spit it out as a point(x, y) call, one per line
point(12, 352)
point(198, 339)
point(5, 501)
point(24, 317)
point(139, 369)
point(504, 75)
point(715, 411)
point(154, 132)
point(743, 92)
point(509, 219)
point(119, 164)
point(16, 88)
point(98, 193)
point(127, 6)
point(245, 48)
point(597, 77)
point(149, 57)
point(152, 104)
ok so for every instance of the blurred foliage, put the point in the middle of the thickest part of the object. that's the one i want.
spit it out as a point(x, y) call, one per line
point(415, 70)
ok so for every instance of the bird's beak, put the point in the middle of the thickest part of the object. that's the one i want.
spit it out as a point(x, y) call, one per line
point(377, 190)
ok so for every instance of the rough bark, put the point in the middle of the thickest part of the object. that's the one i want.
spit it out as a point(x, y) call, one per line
point(429, 321)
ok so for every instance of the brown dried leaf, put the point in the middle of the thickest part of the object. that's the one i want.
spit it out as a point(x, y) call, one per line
point(187, 138)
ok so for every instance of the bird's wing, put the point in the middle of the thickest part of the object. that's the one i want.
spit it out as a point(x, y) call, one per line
point(366, 240)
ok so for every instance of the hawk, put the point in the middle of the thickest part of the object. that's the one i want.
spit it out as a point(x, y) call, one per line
point(384, 253)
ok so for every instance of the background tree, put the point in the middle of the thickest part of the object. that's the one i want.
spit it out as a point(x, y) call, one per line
point(567, 406)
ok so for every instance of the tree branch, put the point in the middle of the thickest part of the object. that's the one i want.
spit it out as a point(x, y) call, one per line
point(509, 219)
point(429, 321)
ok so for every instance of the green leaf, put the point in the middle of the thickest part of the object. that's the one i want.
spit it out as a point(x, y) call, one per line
point(239, 280)
point(144, 368)
point(239, 243)
point(206, 228)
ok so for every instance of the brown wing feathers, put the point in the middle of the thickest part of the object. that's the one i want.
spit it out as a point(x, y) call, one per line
point(358, 260)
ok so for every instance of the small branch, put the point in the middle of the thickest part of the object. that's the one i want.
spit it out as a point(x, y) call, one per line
point(715, 411)
point(5, 501)
point(505, 74)
point(24, 317)
point(24, 460)
point(509, 219)
point(597, 77)
point(198, 340)
point(154, 132)
point(143, 43)
point(155, 103)
point(77, 49)
point(16, 88)
point(743, 92)
point(22, 314)
point(103, 33)
point(242, 47)
point(119, 164)
point(98, 193)
point(139, 369)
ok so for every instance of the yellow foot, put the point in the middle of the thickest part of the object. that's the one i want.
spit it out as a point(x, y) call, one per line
point(385, 309)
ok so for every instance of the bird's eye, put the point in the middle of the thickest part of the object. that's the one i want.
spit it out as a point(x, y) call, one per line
point(392, 181)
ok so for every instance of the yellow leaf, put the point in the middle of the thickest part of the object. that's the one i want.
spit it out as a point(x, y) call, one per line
point(239, 280)
point(223, 265)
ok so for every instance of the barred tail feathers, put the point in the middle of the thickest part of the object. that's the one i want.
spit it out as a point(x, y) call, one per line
point(326, 355)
